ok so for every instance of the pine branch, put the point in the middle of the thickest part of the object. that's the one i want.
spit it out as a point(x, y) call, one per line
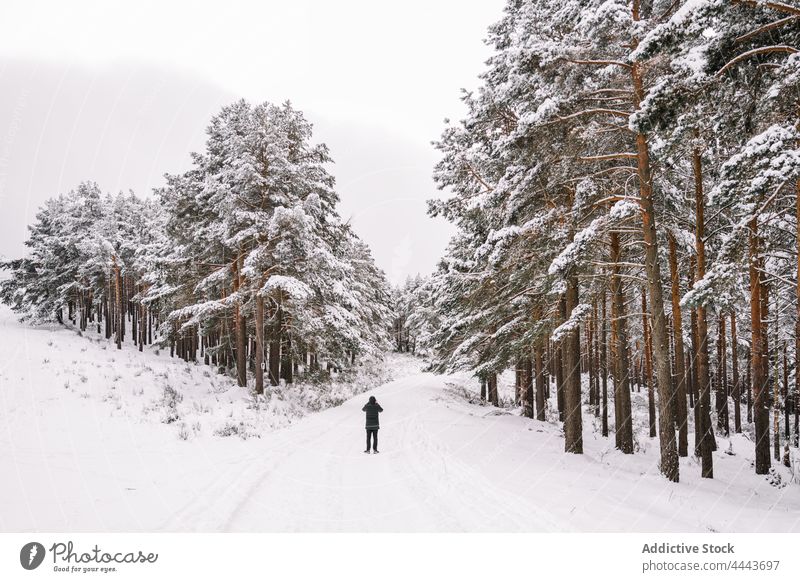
point(777, 6)
point(617, 197)
point(668, 12)
point(477, 176)
point(622, 92)
point(608, 171)
point(599, 111)
point(765, 28)
point(757, 51)
point(600, 62)
point(615, 156)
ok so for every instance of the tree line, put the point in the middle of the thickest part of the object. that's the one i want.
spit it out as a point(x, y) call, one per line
point(626, 190)
point(241, 262)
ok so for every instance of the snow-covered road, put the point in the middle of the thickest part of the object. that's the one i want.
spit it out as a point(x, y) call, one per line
point(448, 463)
point(416, 483)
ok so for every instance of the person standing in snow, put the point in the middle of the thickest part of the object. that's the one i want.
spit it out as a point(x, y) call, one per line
point(372, 408)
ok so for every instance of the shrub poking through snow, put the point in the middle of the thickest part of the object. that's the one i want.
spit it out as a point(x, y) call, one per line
point(169, 402)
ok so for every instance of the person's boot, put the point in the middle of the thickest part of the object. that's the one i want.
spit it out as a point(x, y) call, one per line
point(367, 451)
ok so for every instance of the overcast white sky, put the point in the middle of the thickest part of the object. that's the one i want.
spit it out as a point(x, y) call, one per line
point(120, 93)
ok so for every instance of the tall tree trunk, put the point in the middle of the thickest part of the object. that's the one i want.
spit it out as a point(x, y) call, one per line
point(571, 346)
point(760, 404)
point(119, 311)
point(108, 309)
point(737, 387)
point(776, 389)
point(796, 397)
point(748, 384)
point(527, 375)
point(723, 421)
point(670, 467)
point(680, 370)
point(562, 309)
point(604, 362)
point(142, 324)
point(123, 305)
point(703, 384)
point(494, 397)
point(596, 357)
point(785, 393)
point(648, 354)
point(241, 325)
point(540, 380)
point(622, 392)
point(259, 371)
point(693, 372)
point(275, 347)
point(286, 358)
point(589, 364)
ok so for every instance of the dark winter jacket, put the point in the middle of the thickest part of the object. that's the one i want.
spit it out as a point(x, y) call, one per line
point(372, 409)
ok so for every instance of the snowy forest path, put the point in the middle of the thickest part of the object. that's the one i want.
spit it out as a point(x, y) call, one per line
point(322, 481)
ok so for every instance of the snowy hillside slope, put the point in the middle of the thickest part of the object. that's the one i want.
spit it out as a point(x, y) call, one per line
point(84, 446)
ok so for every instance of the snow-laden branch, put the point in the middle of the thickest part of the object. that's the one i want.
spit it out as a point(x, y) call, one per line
point(765, 28)
point(599, 62)
point(578, 314)
point(596, 111)
point(289, 285)
point(616, 156)
point(780, 48)
point(777, 6)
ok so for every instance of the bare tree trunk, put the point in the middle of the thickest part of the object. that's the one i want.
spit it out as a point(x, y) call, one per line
point(796, 396)
point(494, 397)
point(259, 371)
point(670, 467)
point(680, 370)
point(142, 324)
point(241, 327)
point(703, 385)
point(760, 404)
point(785, 400)
point(275, 347)
point(749, 384)
point(596, 357)
point(571, 345)
point(123, 305)
point(723, 420)
point(527, 375)
point(287, 370)
point(785, 393)
point(693, 372)
point(604, 362)
point(622, 392)
point(562, 308)
point(540, 380)
point(776, 389)
point(589, 367)
point(737, 388)
point(119, 311)
point(648, 354)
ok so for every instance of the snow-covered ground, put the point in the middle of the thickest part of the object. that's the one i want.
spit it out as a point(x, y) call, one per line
point(85, 446)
